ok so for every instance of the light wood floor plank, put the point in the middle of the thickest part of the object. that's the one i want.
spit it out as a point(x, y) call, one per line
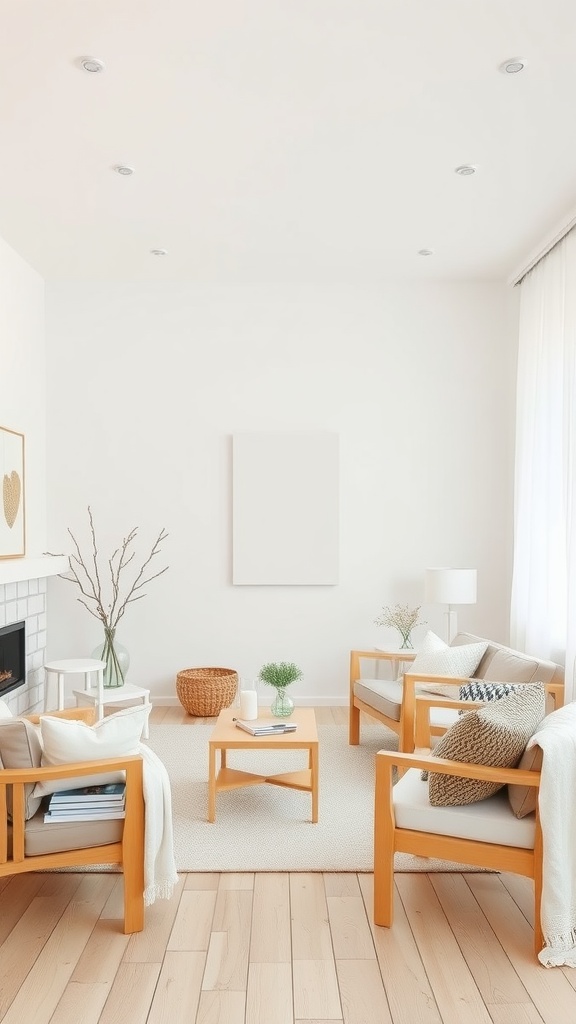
point(149, 945)
point(311, 938)
point(521, 890)
point(15, 901)
point(351, 936)
point(316, 991)
point(488, 963)
point(270, 940)
point(236, 880)
point(406, 983)
point(221, 1008)
point(193, 921)
point(131, 994)
point(202, 880)
point(269, 997)
point(454, 988)
point(227, 960)
point(549, 990)
point(362, 992)
point(514, 1013)
point(53, 968)
point(80, 1002)
point(342, 883)
point(178, 990)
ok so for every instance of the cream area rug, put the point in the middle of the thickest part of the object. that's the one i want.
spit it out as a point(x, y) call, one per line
point(268, 828)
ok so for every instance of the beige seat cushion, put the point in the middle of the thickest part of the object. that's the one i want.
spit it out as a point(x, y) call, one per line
point(55, 837)
point(490, 821)
point(384, 695)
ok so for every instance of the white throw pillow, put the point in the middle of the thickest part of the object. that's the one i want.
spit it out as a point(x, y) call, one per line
point(439, 659)
point(65, 740)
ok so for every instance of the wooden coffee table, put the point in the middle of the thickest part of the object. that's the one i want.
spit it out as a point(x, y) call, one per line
point(226, 736)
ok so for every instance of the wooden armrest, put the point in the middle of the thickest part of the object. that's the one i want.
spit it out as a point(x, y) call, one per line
point(71, 770)
point(427, 762)
point(431, 700)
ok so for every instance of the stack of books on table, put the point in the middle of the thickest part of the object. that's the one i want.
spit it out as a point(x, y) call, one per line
point(88, 803)
point(264, 728)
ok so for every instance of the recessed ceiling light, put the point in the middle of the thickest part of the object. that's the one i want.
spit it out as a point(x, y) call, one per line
point(425, 252)
point(465, 169)
point(124, 169)
point(513, 66)
point(92, 64)
point(159, 252)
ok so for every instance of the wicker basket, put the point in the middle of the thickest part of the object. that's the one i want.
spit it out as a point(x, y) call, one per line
point(205, 691)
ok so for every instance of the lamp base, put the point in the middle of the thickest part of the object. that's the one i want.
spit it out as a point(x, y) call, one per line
point(452, 623)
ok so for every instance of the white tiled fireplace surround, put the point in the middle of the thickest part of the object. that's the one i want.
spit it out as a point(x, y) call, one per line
point(27, 601)
point(24, 599)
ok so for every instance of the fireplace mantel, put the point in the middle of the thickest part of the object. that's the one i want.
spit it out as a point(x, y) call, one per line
point(15, 570)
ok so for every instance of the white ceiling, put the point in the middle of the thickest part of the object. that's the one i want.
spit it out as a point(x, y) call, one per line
point(308, 141)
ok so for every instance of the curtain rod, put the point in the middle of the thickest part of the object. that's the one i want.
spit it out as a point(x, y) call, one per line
point(547, 243)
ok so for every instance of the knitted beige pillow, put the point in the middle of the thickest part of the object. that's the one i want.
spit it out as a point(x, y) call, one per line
point(495, 735)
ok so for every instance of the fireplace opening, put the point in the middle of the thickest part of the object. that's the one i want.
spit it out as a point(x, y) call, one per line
point(12, 657)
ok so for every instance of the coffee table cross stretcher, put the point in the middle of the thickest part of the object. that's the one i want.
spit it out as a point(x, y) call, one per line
point(226, 736)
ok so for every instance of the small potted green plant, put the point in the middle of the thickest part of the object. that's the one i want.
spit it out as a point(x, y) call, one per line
point(280, 674)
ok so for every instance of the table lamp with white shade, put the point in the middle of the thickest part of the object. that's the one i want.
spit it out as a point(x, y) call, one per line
point(450, 586)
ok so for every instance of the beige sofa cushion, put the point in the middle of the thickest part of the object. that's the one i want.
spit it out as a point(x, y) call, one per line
point(20, 748)
point(524, 799)
point(506, 665)
point(495, 735)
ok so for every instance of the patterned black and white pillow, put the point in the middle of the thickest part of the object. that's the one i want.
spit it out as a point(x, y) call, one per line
point(477, 689)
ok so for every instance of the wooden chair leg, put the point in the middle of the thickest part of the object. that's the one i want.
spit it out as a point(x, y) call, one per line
point(383, 846)
point(133, 852)
point(354, 726)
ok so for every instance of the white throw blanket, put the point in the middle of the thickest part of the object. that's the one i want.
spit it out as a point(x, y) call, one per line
point(557, 737)
point(160, 875)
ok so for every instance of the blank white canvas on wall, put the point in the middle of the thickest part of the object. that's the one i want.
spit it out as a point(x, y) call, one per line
point(285, 508)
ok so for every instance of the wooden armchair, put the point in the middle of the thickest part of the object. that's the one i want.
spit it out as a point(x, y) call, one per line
point(485, 834)
point(394, 701)
point(32, 845)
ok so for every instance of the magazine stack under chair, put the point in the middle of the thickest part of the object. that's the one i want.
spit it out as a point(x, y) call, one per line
point(88, 803)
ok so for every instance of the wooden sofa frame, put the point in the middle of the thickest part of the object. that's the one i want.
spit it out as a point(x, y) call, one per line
point(406, 728)
point(128, 852)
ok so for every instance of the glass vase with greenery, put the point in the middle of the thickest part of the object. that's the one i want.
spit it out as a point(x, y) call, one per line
point(280, 674)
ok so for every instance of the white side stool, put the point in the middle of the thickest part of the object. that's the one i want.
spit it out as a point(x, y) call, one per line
point(75, 666)
point(115, 695)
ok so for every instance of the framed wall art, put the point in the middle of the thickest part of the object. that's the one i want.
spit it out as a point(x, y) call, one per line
point(12, 520)
point(285, 508)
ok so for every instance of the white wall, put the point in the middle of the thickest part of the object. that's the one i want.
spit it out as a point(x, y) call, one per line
point(23, 381)
point(146, 386)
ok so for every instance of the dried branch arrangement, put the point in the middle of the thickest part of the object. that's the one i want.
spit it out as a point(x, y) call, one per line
point(109, 603)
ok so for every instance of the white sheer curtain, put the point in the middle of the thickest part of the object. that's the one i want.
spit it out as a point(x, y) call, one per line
point(543, 607)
